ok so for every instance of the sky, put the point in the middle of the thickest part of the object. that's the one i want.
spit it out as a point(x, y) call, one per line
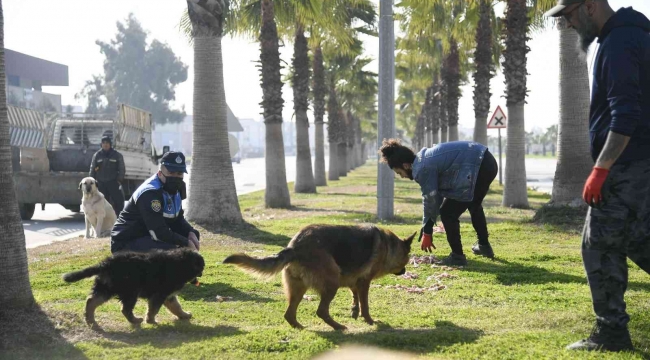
point(65, 31)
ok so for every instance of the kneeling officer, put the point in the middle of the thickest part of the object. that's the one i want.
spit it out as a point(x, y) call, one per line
point(153, 217)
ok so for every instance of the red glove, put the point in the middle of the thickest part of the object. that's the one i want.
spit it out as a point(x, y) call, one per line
point(592, 193)
point(427, 243)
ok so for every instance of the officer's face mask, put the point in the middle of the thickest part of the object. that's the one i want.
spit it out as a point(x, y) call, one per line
point(173, 184)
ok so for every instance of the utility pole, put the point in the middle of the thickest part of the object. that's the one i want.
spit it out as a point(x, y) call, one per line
point(386, 121)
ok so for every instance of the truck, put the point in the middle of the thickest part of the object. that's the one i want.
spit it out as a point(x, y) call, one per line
point(52, 152)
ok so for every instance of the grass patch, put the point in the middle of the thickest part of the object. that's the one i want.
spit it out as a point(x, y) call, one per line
point(530, 302)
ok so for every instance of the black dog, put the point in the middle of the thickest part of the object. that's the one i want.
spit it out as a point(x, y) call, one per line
point(156, 276)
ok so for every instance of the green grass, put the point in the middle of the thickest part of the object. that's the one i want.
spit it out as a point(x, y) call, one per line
point(530, 302)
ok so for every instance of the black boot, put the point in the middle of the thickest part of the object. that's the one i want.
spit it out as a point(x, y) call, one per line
point(483, 250)
point(605, 338)
point(454, 260)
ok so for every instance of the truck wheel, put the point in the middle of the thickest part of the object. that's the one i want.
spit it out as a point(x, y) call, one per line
point(26, 211)
point(73, 208)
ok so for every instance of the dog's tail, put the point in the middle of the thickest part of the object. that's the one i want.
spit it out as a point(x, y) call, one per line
point(264, 267)
point(82, 274)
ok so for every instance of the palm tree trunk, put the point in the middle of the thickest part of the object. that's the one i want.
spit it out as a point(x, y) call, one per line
point(453, 90)
point(343, 159)
point(574, 161)
point(304, 175)
point(213, 196)
point(351, 165)
point(277, 192)
point(433, 113)
point(358, 143)
point(319, 111)
point(319, 162)
point(14, 277)
point(333, 173)
point(334, 130)
point(443, 106)
point(515, 192)
point(484, 72)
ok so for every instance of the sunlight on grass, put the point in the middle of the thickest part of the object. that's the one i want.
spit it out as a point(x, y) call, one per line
point(530, 302)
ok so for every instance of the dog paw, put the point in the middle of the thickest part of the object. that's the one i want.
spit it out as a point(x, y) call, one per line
point(354, 312)
point(136, 321)
point(94, 326)
point(152, 321)
point(369, 320)
point(186, 316)
point(340, 327)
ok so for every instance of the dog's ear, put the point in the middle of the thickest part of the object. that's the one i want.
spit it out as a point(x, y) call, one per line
point(409, 240)
point(81, 183)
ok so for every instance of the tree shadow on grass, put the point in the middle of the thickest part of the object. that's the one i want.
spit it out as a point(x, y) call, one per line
point(208, 293)
point(421, 341)
point(250, 233)
point(31, 334)
point(169, 335)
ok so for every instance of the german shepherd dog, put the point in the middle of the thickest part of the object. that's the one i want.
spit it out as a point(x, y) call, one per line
point(156, 276)
point(326, 257)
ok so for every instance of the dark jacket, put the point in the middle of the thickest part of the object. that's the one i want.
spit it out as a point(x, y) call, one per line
point(620, 100)
point(107, 166)
point(447, 170)
point(151, 211)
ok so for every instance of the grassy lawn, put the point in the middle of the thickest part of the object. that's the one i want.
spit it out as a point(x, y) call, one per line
point(530, 302)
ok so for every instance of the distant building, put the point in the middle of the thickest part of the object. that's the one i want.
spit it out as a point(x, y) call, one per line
point(26, 76)
point(178, 136)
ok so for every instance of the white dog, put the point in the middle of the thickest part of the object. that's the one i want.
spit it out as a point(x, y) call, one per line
point(98, 211)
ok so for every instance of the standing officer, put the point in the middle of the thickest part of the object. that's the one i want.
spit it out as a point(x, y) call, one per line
point(107, 167)
point(153, 217)
point(618, 189)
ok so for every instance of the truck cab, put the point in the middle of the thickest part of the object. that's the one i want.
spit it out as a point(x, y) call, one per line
point(52, 152)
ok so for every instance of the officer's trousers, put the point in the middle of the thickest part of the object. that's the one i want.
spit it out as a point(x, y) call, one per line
point(112, 193)
point(617, 230)
point(143, 244)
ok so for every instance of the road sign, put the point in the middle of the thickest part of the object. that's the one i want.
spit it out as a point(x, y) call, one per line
point(498, 120)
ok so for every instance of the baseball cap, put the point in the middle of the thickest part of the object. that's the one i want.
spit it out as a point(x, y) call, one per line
point(174, 161)
point(561, 5)
point(107, 139)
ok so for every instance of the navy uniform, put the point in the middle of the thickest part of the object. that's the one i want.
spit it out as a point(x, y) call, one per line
point(153, 217)
point(107, 168)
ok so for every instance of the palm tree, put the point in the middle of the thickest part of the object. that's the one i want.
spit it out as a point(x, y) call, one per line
point(213, 196)
point(277, 191)
point(333, 130)
point(484, 61)
point(515, 192)
point(573, 156)
point(304, 175)
point(357, 93)
point(14, 276)
point(443, 110)
point(319, 92)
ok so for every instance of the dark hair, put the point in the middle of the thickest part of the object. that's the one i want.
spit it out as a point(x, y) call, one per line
point(395, 154)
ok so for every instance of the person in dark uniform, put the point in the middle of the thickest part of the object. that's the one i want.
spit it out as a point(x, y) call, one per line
point(107, 168)
point(153, 217)
point(617, 226)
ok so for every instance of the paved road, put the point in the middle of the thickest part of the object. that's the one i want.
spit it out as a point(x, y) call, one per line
point(56, 223)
